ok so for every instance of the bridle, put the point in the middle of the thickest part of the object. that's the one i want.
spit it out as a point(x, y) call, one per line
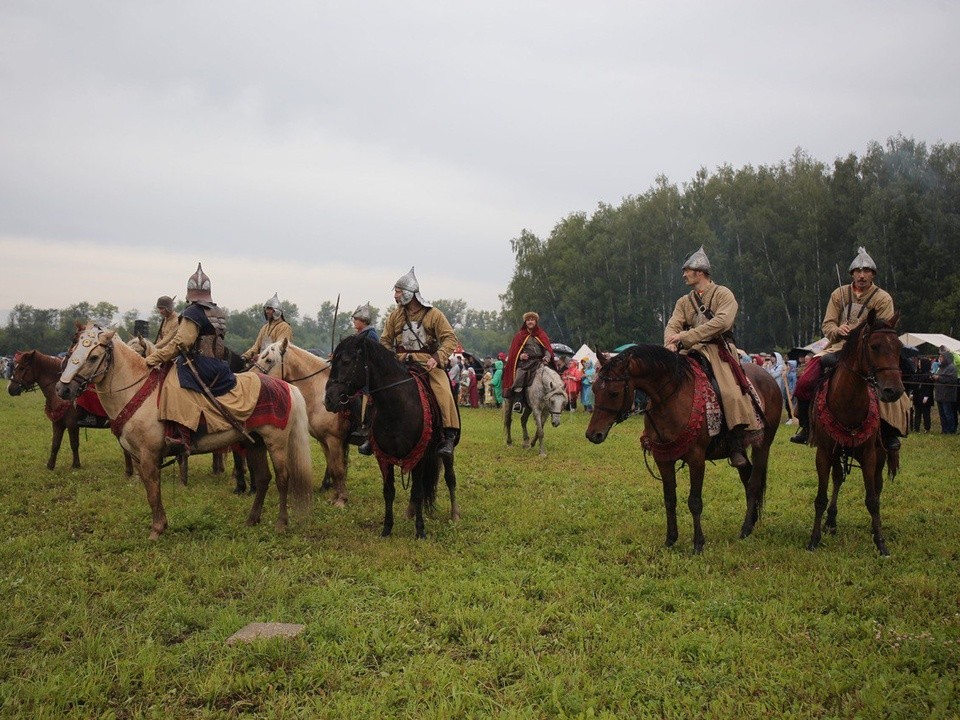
point(362, 355)
point(103, 364)
point(871, 376)
point(626, 405)
point(265, 371)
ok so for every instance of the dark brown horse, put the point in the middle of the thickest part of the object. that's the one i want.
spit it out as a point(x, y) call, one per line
point(34, 370)
point(399, 435)
point(675, 425)
point(845, 422)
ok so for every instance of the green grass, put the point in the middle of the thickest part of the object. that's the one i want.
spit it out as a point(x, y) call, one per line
point(552, 597)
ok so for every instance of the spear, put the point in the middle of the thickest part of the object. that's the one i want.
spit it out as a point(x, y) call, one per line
point(333, 325)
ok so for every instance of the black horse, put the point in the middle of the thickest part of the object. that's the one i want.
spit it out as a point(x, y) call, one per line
point(402, 405)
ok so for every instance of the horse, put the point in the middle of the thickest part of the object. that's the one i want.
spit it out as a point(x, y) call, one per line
point(845, 421)
point(546, 395)
point(309, 373)
point(33, 369)
point(406, 427)
point(675, 427)
point(128, 389)
point(143, 347)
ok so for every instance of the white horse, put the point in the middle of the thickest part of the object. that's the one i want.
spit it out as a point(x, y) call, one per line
point(546, 395)
point(126, 386)
point(309, 374)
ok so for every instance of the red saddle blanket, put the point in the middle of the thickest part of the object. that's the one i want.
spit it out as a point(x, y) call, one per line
point(826, 422)
point(273, 404)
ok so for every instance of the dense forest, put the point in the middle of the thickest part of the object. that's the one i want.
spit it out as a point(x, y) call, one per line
point(781, 237)
point(777, 236)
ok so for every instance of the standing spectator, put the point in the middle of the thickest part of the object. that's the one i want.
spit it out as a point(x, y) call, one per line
point(454, 372)
point(586, 385)
point(465, 381)
point(486, 382)
point(918, 384)
point(945, 393)
point(571, 379)
point(496, 382)
point(474, 387)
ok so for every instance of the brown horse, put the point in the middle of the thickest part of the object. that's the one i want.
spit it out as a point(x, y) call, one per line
point(33, 369)
point(675, 425)
point(845, 422)
point(144, 347)
point(309, 373)
point(128, 390)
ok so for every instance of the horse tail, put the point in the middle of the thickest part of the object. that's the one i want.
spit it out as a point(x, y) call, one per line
point(430, 477)
point(299, 456)
point(893, 464)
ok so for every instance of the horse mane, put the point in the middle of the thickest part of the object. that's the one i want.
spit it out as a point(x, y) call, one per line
point(657, 358)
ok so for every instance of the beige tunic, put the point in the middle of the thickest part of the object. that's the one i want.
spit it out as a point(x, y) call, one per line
point(188, 406)
point(845, 307)
point(696, 331)
point(439, 341)
point(274, 331)
point(167, 331)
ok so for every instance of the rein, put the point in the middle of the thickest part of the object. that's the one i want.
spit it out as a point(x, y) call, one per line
point(870, 378)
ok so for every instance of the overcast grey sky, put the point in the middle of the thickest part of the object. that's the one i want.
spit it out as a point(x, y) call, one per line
point(316, 148)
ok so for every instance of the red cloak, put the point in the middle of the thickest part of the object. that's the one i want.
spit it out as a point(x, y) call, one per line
point(510, 367)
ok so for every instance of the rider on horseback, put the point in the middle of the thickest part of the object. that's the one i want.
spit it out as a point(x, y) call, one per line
point(847, 308)
point(702, 321)
point(529, 348)
point(168, 321)
point(275, 329)
point(362, 318)
point(420, 333)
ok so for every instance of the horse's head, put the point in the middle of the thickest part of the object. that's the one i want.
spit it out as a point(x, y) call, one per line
point(270, 360)
point(555, 396)
point(24, 376)
point(612, 396)
point(877, 358)
point(348, 372)
point(141, 345)
point(87, 363)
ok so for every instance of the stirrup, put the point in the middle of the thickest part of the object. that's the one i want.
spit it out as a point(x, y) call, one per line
point(518, 407)
point(801, 436)
point(365, 448)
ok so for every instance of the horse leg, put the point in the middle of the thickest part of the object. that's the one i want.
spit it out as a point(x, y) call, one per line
point(218, 463)
point(836, 472)
point(695, 504)
point(450, 477)
point(539, 436)
point(55, 441)
point(824, 462)
point(523, 423)
point(753, 477)
point(336, 452)
point(416, 499)
point(240, 474)
point(127, 464)
point(507, 421)
point(669, 475)
point(149, 468)
point(73, 432)
point(279, 458)
point(183, 467)
point(871, 472)
point(389, 493)
point(259, 476)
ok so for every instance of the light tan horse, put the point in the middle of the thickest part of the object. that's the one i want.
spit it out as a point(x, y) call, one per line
point(309, 373)
point(143, 347)
point(118, 374)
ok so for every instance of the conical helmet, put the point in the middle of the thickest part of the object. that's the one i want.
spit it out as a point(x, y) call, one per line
point(274, 303)
point(198, 287)
point(165, 302)
point(410, 288)
point(363, 313)
point(863, 261)
point(697, 261)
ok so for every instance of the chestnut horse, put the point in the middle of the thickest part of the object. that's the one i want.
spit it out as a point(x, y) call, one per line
point(309, 373)
point(33, 369)
point(144, 347)
point(401, 403)
point(676, 427)
point(128, 389)
point(845, 421)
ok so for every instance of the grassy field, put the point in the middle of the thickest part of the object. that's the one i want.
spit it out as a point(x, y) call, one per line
point(553, 596)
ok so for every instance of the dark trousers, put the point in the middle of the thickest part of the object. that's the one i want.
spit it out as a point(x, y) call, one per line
point(921, 415)
point(948, 416)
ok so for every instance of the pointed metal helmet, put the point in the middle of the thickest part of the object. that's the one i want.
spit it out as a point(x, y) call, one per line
point(697, 261)
point(409, 289)
point(863, 261)
point(363, 313)
point(198, 287)
point(274, 303)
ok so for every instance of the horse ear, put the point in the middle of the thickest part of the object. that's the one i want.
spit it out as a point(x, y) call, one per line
point(283, 345)
point(601, 358)
point(895, 320)
point(871, 317)
point(107, 336)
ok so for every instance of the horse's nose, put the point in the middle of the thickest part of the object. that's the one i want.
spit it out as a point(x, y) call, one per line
point(14, 389)
point(596, 437)
point(555, 419)
point(63, 391)
point(890, 394)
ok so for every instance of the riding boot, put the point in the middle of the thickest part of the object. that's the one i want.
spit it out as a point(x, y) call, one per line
point(449, 441)
point(889, 436)
point(738, 458)
point(803, 417)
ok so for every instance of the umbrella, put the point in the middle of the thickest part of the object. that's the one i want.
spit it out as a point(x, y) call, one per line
point(561, 349)
point(624, 347)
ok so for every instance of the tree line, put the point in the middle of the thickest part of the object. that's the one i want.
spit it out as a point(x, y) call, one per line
point(781, 237)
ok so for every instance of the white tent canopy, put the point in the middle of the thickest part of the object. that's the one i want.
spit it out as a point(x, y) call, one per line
point(585, 352)
point(917, 339)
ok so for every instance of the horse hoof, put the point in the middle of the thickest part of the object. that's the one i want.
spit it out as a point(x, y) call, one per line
point(745, 532)
point(239, 490)
point(811, 546)
point(339, 502)
point(155, 535)
point(281, 526)
point(386, 532)
point(698, 549)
